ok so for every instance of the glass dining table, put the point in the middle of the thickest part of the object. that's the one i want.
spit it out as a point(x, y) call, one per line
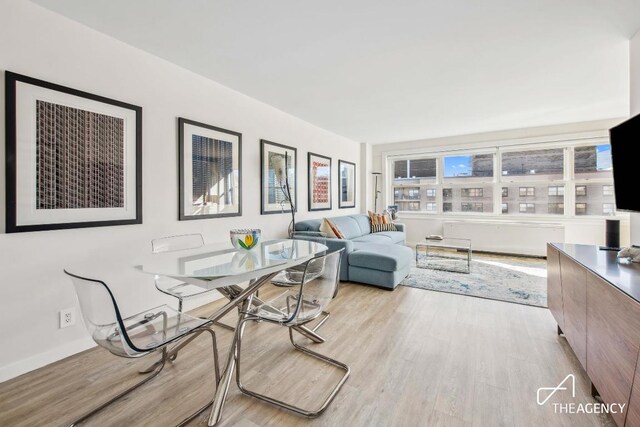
point(224, 268)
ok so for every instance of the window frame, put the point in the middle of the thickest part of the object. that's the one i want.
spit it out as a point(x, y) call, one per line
point(568, 179)
point(526, 207)
point(526, 191)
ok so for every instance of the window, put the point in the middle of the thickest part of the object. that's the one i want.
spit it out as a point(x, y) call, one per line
point(556, 208)
point(409, 193)
point(592, 160)
point(527, 191)
point(608, 209)
point(472, 207)
point(531, 180)
point(471, 192)
point(407, 198)
point(480, 195)
point(422, 168)
point(527, 208)
point(594, 196)
point(414, 169)
point(400, 169)
point(556, 190)
point(479, 165)
point(412, 206)
point(533, 162)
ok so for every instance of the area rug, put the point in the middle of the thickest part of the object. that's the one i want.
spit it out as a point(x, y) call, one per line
point(513, 279)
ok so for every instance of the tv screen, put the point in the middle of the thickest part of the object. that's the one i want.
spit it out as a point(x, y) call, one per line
point(625, 141)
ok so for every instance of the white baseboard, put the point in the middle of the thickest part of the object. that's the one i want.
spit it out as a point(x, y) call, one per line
point(39, 360)
point(36, 361)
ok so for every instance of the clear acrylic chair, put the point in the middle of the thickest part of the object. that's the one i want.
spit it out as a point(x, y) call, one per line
point(298, 305)
point(148, 332)
point(293, 276)
point(166, 285)
point(173, 287)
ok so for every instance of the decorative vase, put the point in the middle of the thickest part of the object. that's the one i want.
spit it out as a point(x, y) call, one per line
point(245, 238)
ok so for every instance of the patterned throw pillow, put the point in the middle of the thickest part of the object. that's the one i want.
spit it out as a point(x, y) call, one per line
point(330, 229)
point(381, 222)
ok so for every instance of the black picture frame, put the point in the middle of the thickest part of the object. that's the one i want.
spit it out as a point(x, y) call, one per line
point(341, 204)
point(264, 210)
point(314, 205)
point(65, 98)
point(182, 178)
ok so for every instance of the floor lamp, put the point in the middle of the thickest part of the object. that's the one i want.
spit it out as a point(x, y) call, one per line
point(375, 188)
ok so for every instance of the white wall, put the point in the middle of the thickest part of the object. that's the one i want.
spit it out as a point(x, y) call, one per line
point(41, 44)
point(366, 179)
point(634, 51)
point(583, 230)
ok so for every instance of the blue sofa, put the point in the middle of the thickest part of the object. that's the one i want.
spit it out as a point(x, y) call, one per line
point(379, 259)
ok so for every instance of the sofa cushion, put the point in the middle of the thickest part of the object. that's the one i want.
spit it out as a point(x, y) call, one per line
point(348, 226)
point(309, 225)
point(364, 223)
point(374, 238)
point(384, 279)
point(380, 257)
point(355, 225)
point(395, 236)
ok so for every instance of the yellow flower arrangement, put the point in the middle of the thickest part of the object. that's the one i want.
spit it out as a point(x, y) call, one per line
point(246, 239)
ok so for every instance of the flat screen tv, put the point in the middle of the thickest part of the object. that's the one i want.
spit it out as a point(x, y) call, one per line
point(625, 146)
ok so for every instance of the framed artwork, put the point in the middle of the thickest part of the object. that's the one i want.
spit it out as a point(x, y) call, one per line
point(210, 172)
point(74, 159)
point(272, 161)
point(319, 182)
point(346, 184)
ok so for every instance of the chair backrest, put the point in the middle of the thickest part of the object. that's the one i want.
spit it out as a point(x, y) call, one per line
point(319, 284)
point(102, 317)
point(177, 243)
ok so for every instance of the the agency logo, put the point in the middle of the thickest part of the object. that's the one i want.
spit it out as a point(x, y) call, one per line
point(569, 384)
point(571, 379)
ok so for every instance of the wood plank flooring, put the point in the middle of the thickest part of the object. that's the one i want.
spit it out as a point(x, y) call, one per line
point(418, 358)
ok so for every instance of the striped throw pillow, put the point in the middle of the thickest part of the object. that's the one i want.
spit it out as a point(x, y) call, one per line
point(381, 222)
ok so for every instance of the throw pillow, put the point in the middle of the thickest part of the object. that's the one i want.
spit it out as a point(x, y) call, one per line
point(381, 222)
point(330, 229)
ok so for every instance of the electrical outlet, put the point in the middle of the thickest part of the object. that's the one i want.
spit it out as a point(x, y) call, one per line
point(67, 317)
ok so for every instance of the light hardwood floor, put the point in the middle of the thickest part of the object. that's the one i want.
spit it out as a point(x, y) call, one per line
point(418, 358)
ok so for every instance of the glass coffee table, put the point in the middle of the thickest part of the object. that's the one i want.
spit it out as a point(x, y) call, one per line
point(447, 254)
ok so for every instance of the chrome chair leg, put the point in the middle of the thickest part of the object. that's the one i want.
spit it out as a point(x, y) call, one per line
point(309, 333)
point(155, 372)
point(301, 329)
point(217, 370)
point(305, 412)
point(155, 369)
point(224, 326)
point(325, 316)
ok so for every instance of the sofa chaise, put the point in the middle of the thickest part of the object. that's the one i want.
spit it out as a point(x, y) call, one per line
point(379, 259)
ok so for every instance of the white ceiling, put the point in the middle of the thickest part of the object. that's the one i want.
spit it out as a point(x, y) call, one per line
point(384, 71)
